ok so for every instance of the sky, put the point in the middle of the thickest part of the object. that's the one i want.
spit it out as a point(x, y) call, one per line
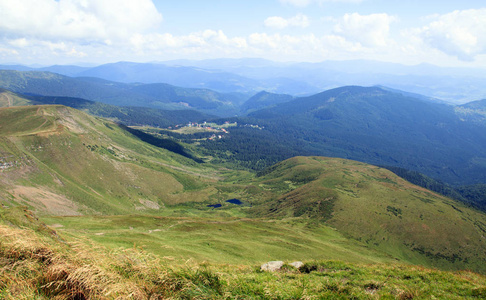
point(47, 32)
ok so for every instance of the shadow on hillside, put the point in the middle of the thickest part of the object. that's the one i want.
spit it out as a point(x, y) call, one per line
point(161, 143)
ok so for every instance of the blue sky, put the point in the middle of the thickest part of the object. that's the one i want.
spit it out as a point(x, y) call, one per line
point(447, 33)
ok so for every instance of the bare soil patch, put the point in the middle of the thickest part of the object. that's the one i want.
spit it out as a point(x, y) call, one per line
point(45, 201)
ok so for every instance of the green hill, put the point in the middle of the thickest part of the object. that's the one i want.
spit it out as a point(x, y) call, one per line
point(95, 181)
point(61, 161)
point(376, 207)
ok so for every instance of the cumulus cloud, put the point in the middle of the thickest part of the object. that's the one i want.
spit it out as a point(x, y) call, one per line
point(299, 20)
point(63, 31)
point(88, 20)
point(460, 33)
point(368, 30)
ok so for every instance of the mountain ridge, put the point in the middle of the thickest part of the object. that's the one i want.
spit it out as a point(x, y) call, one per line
point(455, 85)
point(371, 124)
point(101, 90)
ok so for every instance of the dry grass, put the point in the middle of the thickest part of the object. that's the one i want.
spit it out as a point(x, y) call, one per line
point(34, 269)
point(36, 263)
point(33, 265)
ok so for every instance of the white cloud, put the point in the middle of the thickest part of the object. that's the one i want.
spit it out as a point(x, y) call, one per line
point(207, 41)
point(300, 3)
point(460, 33)
point(304, 3)
point(276, 22)
point(66, 31)
point(368, 30)
point(5, 52)
point(86, 20)
point(298, 20)
point(20, 43)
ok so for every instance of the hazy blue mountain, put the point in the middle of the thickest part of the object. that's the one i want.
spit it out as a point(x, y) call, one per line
point(127, 115)
point(252, 75)
point(15, 67)
point(457, 85)
point(67, 70)
point(162, 96)
point(221, 80)
point(264, 100)
point(192, 77)
point(415, 95)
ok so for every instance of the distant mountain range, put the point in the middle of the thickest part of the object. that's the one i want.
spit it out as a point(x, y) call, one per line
point(373, 125)
point(377, 125)
point(250, 76)
point(128, 115)
point(159, 95)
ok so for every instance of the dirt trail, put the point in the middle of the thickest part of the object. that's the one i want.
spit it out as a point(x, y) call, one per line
point(9, 99)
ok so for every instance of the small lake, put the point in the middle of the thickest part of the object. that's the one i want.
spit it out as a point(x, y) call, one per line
point(232, 201)
point(215, 205)
point(235, 201)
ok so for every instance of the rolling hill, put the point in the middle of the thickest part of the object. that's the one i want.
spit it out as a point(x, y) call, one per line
point(376, 207)
point(374, 125)
point(118, 190)
point(58, 160)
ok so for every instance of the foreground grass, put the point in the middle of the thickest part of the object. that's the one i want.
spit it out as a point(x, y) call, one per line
point(37, 262)
point(32, 269)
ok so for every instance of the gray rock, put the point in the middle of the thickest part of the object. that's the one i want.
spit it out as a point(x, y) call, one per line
point(272, 266)
point(297, 264)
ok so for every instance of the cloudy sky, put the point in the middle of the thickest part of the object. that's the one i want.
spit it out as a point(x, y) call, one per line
point(445, 32)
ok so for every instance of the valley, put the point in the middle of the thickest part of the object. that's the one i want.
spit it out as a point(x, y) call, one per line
point(152, 197)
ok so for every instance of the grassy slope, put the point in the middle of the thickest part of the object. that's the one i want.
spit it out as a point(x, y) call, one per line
point(91, 163)
point(8, 99)
point(219, 240)
point(64, 162)
point(376, 207)
point(39, 263)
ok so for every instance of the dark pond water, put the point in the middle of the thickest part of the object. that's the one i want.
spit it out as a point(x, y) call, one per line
point(215, 205)
point(235, 201)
